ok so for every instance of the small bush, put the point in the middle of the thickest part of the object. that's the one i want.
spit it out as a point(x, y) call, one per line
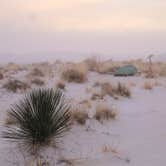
point(79, 116)
point(103, 112)
point(37, 81)
point(60, 84)
point(115, 91)
point(75, 74)
point(148, 86)
point(15, 85)
point(107, 89)
point(37, 72)
point(1, 76)
point(122, 90)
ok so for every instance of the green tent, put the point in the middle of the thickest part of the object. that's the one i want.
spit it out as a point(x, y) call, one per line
point(128, 70)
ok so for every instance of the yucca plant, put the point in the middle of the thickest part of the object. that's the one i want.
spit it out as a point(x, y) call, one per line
point(41, 117)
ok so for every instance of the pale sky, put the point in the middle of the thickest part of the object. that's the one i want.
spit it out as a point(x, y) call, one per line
point(35, 29)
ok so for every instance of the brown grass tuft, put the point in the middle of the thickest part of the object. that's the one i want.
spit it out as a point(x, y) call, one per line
point(60, 84)
point(75, 73)
point(37, 81)
point(37, 72)
point(115, 91)
point(79, 113)
point(122, 90)
point(15, 85)
point(104, 112)
point(108, 149)
point(148, 86)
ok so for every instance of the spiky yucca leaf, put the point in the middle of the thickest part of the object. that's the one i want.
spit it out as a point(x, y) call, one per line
point(41, 117)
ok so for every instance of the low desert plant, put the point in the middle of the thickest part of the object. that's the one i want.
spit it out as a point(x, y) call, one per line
point(148, 86)
point(1, 76)
point(104, 112)
point(37, 72)
point(41, 117)
point(97, 96)
point(60, 84)
point(15, 85)
point(122, 90)
point(37, 81)
point(115, 91)
point(75, 74)
point(79, 116)
point(86, 103)
point(107, 89)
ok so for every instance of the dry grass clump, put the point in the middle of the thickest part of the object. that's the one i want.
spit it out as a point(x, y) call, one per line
point(79, 116)
point(108, 149)
point(97, 96)
point(162, 71)
point(37, 81)
point(108, 67)
point(15, 85)
point(148, 86)
point(104, 112)
point(92, 63)
point(86, 103)
point(61, 84)
point(115, 91)
point(76, 73)
point(1, 76)
point(37, 72)
point(122, 90)
point(107, 89)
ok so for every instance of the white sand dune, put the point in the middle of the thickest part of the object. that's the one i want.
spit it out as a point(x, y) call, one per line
point(138, 134)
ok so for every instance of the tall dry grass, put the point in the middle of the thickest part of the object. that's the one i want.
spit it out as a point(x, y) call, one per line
point(75, 73)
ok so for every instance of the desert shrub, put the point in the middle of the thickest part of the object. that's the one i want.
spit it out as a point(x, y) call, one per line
point(60, 84)
point(86, 103)
point(107, 89)
point(42, 116)
point(37, 81)
point(92, 63)
point(148, 86)
point(104, 112)
point(162, 72)
point(1, 76)
point(97, 96)
point(75, 74)
point(122, 90)
point(79, 116)
point(107, 68)
point(37, 72)
point(115, 91)
point(15, 85)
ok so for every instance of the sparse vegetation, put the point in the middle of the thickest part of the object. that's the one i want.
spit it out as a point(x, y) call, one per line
point(104, 112)
point(41, 118)
point(148, 86)
point(37, 72)
point(1, 76)
point(15, 85)
point(75, 73)
point(115, 91)
point(37, 81)
point(60, 84)
point(79, 115)
point(122, 90)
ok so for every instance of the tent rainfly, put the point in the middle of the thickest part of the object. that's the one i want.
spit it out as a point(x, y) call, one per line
point(128, 70)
